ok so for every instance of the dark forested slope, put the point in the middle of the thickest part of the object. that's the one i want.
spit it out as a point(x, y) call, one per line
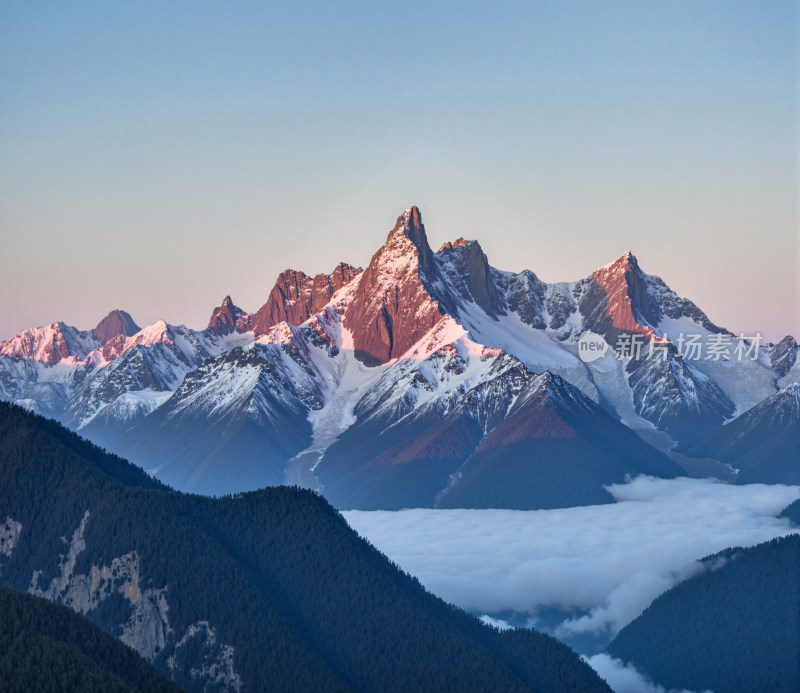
point(48, 647)
point(267, 589)
point(734, 627)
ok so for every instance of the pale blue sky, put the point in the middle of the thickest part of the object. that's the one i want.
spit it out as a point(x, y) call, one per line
point(157, 156)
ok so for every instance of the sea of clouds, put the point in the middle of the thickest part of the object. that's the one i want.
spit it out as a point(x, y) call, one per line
point(606, 561)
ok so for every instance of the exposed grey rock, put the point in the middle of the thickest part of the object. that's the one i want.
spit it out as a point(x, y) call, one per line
point(9, 534)
point(148, 627)
point(217, 659)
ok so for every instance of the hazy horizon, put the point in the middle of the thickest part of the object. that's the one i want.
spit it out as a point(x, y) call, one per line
point(156, 159)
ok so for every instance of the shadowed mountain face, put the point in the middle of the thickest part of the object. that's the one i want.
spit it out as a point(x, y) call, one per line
point(254, 401)
point(511, 440)
point(266, 590)
point(333, 381)
point(555, 449)
point(763, 444)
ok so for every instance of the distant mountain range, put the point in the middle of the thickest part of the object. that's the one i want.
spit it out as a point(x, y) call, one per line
point(426, 379)
point(269, 590)
point(762, 445)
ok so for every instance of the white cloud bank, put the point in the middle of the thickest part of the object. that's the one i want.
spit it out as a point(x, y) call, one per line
point(608, 560)
point(624, 678)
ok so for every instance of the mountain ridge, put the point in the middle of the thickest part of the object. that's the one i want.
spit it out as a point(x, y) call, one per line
point(383, 316)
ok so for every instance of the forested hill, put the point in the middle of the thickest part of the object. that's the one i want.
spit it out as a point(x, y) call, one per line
point(734, 627)
point(792, 512)
point(270, 589)
point(48, 647)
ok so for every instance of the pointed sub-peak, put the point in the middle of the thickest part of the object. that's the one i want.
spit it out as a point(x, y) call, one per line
point(792, 391)
point(117, 322)
point(415, 229)
point(159, 331)
point(449, 245)
point(469, 272)
point(410, 225)
point(784, 355)
point(626, 286)
point(343, 274)
point(616, 276)
point(630, 261)
point(548, 382)
point(390, 308)
point(228, 316)
point(398, 249)
point(626, 262)
point(551, 389)
point(159, 327)
point(412, 219)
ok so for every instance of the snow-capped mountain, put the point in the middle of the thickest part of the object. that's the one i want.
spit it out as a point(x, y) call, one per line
point(235, 421)
point(422, 431)
point(50, 344)
point(74, 376)
point(384, 382)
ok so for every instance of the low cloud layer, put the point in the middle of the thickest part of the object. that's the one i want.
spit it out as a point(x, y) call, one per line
point(624, 678)
point(610, 560)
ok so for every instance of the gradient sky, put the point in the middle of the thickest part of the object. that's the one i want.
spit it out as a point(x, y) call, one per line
point(157, 156)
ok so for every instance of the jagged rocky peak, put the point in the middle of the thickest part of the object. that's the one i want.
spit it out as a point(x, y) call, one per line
point(469, 273)
point(408, 227)
point(548, 386)
point(616, 271)
point(390, 308)
point(784, 355)
point(296, 296)
point(229, 316)
point(411, 221)
point(629, 305)
point(343, 274)
point(449, 245)
point(117, 322)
